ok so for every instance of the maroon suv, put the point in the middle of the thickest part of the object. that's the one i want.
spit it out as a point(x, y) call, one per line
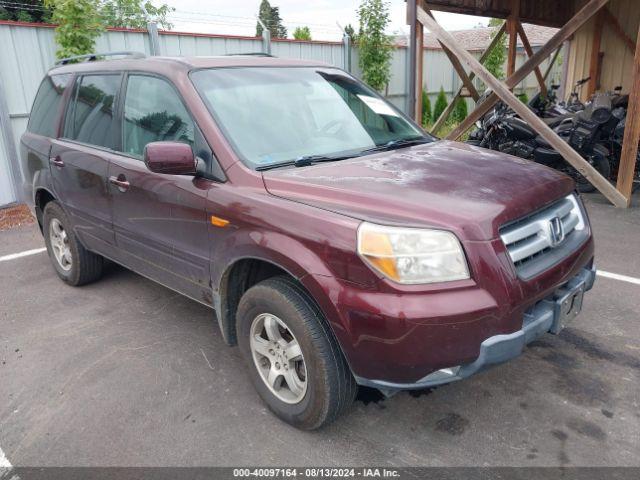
point(338, 244)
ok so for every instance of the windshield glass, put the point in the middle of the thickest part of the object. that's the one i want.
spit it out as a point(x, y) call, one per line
point(274, 115)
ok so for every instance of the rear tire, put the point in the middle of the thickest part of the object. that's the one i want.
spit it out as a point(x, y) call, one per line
point(323, 386)
point(602, 165)
point(73, 263)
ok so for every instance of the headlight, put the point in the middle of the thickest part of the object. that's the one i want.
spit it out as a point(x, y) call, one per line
point(412, 255)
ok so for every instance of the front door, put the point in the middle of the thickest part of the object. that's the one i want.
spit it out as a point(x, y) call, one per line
point(80, 159)
point(160, 221)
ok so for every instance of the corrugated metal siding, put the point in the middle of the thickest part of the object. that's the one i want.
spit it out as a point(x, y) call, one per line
point(21, 78)
point(617, 62)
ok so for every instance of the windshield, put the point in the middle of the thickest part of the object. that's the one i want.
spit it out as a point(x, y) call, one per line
point(275, 115)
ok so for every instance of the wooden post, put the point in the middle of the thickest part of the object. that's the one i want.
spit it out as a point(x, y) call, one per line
point(466, 81)
point(503, 92)
point(552, 62)
point(594, 68)
point(412, 21)
point(611, 20)
point(529, 50)
point(445, 115)
point(631, 133)
point(512, 28)
point(560, 36)
point(419, 70)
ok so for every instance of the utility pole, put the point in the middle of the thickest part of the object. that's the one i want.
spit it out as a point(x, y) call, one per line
point(154, 38)
point(346, 48)
point(152, 29)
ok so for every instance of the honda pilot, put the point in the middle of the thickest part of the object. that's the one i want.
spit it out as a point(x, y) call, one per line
point(337, 243)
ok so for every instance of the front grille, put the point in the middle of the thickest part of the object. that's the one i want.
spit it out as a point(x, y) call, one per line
point(543, 238)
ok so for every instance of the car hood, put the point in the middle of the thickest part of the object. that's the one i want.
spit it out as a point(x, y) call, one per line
point(469, 190)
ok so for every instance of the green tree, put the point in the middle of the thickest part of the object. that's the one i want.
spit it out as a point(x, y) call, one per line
point(25, 11)
point(459, 111)
point(349, 30)
point(302, 33)
point(134, 14)
point(24, 16)
point(79, 24)
point(441, 104)
point(426, 109)
point(374, 45)
point(270, 16)
point(524, 98)
point(495, 60)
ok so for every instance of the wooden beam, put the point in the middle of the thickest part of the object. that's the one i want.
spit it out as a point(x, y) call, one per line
point(419, 70)
point(502, 90)
point(629, 154)
point(596, 42)
point(552, 63)
point(466, 81)
point(445, 114)
point(512, 28)
point(529, 50)
point(547, 49)
point(613, 22)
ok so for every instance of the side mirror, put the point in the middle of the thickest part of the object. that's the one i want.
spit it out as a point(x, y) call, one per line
point(170, 158)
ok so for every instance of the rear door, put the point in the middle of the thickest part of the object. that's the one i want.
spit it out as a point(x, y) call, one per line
point(80, 158)
point(35, 144)
point(159, 220)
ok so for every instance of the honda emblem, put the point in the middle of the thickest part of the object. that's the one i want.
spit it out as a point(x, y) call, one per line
point(556, 231)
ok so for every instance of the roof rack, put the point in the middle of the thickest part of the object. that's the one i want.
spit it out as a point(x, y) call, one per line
point(92, 57)
point(250, 54)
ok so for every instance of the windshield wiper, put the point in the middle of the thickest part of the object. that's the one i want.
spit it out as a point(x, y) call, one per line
point(305, 161)
point(393, 144)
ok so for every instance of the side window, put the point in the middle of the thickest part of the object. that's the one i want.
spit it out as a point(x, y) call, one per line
point(46, 105)
point(90, 118)
point(153, 112)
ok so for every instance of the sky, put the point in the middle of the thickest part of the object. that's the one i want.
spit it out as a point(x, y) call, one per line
point(237, 17)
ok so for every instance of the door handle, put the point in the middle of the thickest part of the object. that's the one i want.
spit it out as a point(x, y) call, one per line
point(57, 161)
point(120, 182)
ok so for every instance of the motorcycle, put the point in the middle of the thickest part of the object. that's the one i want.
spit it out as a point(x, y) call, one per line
point(502, 131)
point(615, 142)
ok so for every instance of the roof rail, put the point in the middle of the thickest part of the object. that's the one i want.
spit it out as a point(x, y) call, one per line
point(92, 57)
point(250, 54)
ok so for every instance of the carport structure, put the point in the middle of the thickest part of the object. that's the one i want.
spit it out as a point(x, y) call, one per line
point(604, 29)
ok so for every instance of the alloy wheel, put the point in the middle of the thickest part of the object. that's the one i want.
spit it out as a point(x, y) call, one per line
point(60, 244)
point(278, 357)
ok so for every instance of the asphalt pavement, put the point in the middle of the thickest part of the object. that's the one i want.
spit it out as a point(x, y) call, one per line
point(124, 372)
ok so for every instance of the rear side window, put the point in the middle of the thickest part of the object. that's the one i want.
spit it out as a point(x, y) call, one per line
point(47, 104)
point(153, 112)
point(90, 118)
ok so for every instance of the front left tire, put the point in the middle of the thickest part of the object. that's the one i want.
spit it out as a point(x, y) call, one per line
point(295, 362)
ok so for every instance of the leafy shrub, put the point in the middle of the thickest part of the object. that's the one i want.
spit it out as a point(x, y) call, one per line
point(459, 111)
point(441, 104)
point(302, 33)
point(79, 24)
point(374, 45)
point(427, 119)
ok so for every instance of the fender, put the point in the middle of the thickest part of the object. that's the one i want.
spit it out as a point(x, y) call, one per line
point(271, 247)
point(41, 183)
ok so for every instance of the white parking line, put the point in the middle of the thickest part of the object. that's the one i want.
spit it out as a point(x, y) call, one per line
point(4, 461)
point(617, 276)
point(600, 273)
point(26, 253)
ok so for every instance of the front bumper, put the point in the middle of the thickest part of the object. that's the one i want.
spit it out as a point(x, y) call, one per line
point(547, 315)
